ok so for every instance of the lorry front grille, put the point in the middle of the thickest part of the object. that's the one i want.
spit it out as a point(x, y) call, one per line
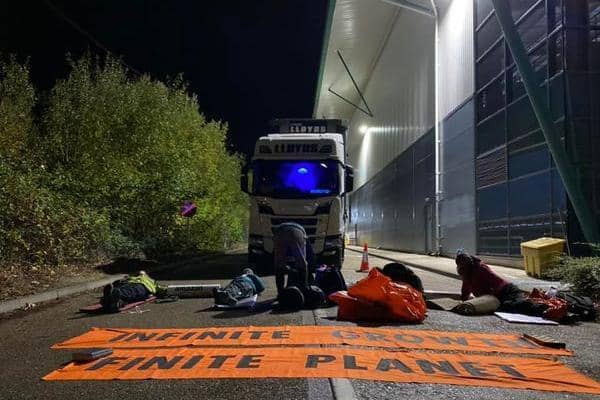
point(301, 221)
point(309, 224)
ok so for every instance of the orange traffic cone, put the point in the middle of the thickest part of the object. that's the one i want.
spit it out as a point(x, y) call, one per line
point(364, 265)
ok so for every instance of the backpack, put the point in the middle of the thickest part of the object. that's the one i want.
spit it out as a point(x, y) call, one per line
point(330, 280)
point(581, 306)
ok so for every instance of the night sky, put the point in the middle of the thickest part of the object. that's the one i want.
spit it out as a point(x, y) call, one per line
point(248, 61)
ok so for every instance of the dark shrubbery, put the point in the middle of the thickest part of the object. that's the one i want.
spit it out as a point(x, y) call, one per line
point(581, 272)
point(102, 165)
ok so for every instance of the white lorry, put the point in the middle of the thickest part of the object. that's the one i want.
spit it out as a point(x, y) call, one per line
point(299, 174)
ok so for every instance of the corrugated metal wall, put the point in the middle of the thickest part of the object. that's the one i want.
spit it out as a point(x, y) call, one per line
point(394, 209)
point(393, 152)
point(401, 88)
point(400, 93)
point(457, 206)
point(456, 79)
point(456, 54)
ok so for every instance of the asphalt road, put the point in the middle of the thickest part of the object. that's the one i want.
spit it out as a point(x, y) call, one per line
point(25, 354)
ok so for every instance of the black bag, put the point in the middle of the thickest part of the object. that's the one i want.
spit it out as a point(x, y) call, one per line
point(581, 306)
point(330, 280)
point(400, 273)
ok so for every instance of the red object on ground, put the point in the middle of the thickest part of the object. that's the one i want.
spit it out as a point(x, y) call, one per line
point(353, 309)
point(377, 298)
point(557, 308)
point(364, 264)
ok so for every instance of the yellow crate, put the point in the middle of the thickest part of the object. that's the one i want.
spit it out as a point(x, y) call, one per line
point(538, 254)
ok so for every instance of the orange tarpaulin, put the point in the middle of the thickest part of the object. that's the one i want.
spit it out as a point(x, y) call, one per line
point(333, 362)
point(307, 335)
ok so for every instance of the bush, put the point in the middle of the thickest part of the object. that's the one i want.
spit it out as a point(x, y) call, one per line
point(17, 99)
point(39, 226)
point(139, 148)
point(103, 165)
point(583, 273)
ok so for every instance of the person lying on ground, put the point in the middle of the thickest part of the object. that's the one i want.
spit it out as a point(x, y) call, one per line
point(241, 287)
point(129, 290)
point(478, 279)
point(400, 273)
point(289, 240)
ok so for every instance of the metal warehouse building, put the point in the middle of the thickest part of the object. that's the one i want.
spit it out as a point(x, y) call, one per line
point(446, 146)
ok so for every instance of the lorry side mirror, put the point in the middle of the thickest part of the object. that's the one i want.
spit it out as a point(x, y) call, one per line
point(244, 182)
point(349, 179)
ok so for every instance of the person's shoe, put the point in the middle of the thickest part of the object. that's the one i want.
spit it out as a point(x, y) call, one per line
point(107, 290)
point(291, 298)
point(111, 299)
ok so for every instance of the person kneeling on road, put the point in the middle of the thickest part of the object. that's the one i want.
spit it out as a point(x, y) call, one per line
point(129, 290)
point(289, 240)
point(479, 280)
point(240, 288)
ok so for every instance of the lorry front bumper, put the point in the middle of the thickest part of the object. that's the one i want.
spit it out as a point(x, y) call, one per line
point(259, 257)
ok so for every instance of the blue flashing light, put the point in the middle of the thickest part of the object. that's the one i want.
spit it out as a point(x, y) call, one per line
point(301, 176)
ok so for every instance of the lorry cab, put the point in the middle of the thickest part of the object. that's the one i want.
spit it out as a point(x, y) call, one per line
point(298, 174)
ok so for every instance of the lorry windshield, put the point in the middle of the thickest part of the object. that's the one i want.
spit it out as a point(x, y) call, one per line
point(296, 179)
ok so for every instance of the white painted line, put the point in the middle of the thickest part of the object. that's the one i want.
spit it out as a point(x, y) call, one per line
point(342, 388)
point(319, 388)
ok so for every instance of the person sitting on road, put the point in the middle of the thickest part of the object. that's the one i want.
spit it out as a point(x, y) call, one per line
point(478, 280)
point(129, 290)
point(241, 287)
point(400, 273)
point(289, 240)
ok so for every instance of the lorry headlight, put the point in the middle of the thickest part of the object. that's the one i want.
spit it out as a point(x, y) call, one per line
point(333, 241)
point(255, 241)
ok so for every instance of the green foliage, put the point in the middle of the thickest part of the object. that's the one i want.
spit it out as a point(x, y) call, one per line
point(581, 272)
point(115, 159)
point(39, 226)
point(17, 99)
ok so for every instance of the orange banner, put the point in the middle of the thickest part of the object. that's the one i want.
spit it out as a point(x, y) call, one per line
point(333, 362)
point(308, 335)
